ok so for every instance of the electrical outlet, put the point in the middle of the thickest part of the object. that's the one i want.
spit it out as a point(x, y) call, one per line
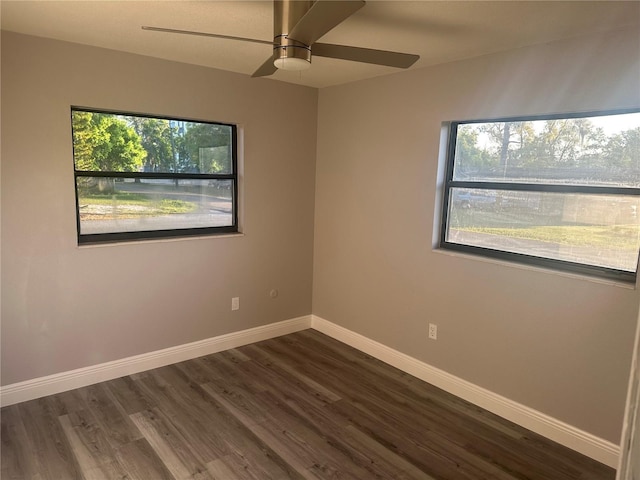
point(235, 303)
point(433, 331)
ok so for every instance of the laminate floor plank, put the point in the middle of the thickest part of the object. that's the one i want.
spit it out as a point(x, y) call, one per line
point(468, 428)
point(66, 402)
point(461, 437)
point(325, 433)
point(338, 447)
point(428, 455)
point(540, 448)
point(231, 467)
point(321, 448)
point(90, 447)
point(128, 394)
point(141, 462)
point(350, 438)
point(110, 415)
point(51, 456)
point(242, 400)
point(15, 453)
point(219, 470)
point(302, 406)
point(299, 441)
point(335, 443)
point(436, 425)
point(270, 360)
point(191, 423)
point(220, 368)
point(289, 385)
point(227, 428)
point(359, 448)
point(288, 451)
point(378, 453)
point(170, 446)
point(234, 355)
point(329, 356)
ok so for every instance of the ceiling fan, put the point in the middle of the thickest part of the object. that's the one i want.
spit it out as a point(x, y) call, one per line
point(297, 24)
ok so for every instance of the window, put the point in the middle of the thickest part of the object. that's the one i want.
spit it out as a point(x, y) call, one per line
point(561, 192)
point(140, 177)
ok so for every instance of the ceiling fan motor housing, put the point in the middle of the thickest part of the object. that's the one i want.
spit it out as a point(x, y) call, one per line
point(288, 53)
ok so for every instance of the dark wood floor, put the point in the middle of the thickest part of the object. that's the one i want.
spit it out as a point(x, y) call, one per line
point(299, 406)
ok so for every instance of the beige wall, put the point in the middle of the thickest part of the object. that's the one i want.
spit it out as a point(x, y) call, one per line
point(65, 307)
point(557, 344)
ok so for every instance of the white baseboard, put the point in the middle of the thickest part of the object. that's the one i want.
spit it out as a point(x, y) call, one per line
point(81, 377)
point(549, 427)
point(567, 435)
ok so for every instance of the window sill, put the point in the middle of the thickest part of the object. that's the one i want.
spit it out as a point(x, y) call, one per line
point(158, 240)
point(576, 276)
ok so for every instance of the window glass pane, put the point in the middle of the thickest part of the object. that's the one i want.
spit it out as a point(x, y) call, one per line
point(597, 150)
point(598, 230)
point(111, 205)
point(106, 142)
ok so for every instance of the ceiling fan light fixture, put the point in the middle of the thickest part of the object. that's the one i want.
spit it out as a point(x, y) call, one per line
point(292, 64)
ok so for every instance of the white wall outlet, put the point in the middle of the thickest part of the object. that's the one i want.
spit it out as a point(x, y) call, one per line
point(433, 331)
point(235, 303)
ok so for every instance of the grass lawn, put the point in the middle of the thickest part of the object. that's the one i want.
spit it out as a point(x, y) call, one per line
point(614, 236)
point(123, 205)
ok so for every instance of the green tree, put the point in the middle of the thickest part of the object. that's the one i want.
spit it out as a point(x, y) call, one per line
point(105, 143)
point(622, 150)
point(592, 141)
point(470, 158)
point(522, 137)
point(155, 137)
point(208, 147)
point(510, 144)
point(85, 138)
point(563, 142)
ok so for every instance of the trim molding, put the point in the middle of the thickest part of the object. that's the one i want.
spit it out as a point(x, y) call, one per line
point(556, 430)
point(538, 422)
point(82, 377)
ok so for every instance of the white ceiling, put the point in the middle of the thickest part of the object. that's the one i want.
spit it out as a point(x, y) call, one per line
point(438, 31)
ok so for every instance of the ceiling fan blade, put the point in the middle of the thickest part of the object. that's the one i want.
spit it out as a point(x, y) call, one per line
point(205, 34)
point(322, 17)
point(364, 55)
point(266, 69)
